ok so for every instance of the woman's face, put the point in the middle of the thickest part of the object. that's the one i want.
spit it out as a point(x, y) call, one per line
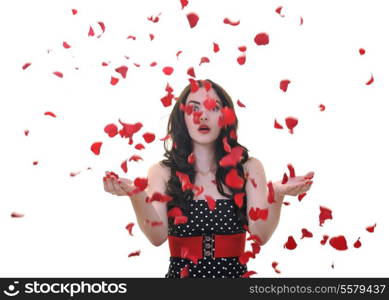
point(208, 118)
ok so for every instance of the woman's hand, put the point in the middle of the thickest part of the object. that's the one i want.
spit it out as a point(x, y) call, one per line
point(295, 185)
point(116, 185)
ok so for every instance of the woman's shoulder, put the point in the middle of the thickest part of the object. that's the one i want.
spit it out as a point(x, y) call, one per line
point(252, 163)
point(159, 169)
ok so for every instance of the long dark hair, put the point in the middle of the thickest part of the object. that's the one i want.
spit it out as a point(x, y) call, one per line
point(179, 147)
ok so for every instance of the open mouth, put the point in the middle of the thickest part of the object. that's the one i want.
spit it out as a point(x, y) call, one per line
point(204, 129)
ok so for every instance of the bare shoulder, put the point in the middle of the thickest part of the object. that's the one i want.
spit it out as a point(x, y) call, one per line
point(159, 170)
point(253, 165)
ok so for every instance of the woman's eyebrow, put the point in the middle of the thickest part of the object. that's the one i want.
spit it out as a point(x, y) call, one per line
point(196, 102)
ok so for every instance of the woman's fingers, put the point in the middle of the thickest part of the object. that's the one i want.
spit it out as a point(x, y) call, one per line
point(118, 190)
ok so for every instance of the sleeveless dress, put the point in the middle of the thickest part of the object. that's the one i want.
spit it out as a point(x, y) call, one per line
point(201, 220)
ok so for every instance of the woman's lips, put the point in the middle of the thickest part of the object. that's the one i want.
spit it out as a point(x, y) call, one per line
point(204, 129)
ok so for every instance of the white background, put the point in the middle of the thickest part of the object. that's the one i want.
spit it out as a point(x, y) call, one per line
point(72, 227)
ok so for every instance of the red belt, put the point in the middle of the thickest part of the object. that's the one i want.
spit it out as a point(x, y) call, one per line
point(227, 245)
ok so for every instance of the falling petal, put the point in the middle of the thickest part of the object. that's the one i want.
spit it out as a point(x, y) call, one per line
point(184, 272)
point(131, 37)
point(301, 21)
point(278, 11)
point(324, 240)
point(180, 220)
point(233, 179)
point(72, 174)
point(194, 86)
point(371, 80)
point(322, 107)
point(292, 173)
point(216, 47)
point(226, 146)
point(168, 70)
point(284, 84)
point(91, 32)
point(74, 11)
point(238, 199)
point(49, 113)
point(95, 148)
point(66, 45)
point(102, 26)
point(165, 138)
point(371, 228)
point(59, 74)
point(183, 3)
point(111, 130)
point(178, 53)
point(129, 228)
point(339, 242)
point(211, 202)
point(306, 233)
point(139, 146)
point(228, 21)
point(357, 244)
point(149, 137)
point(35, 163)
point(114, 80)
point(26, 132)
point(17, 215)
point(135, 158)
point(261, 39)
point(274, 265)
point(325, 214)
point(210, 103)
point(240, 104)
point(154, 19)
point(242, 48)
point(135, 253)
point(290, 244)
point(241, 59)
point(191, 158)
point(191, 72)
point(362, 51)
point(26, 65)
point(123, 165)
point(248, 274)
point(203, 60)
point(291, 123)
point(122, 70)
point(277, 125)
point(257, 213)
point(285, 179)
point(192, 19)
point(301, 196)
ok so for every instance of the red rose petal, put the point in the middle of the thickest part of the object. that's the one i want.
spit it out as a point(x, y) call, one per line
point(228, 117)
point(58, 74)
point(135, 253)
point(301, 21)
point(193, 85)
point(301, 196)
point(180, 220)
point(322, 107)
point(244, 258)
point(325, 214)
point(371, 228)
point(114, 80)
point(49, 113)
point(306, 233)
point(252, 180)
point(183, 3)
point(74, 11)
point(357, 243)
point(284, 84)
point(72, 174)
point(199, 190)
point(139, 146)
point(165, 138)
point(278, 11)
point(371, 80)
point(270, 196)
point(192, 19)
point(277, 125)
point(91, 32)
point(167, 100)
point(238, 199)
point(257, 213)
point(216, 47)
point(228, 21)
point(291, 123)
point(149, 137)
point(178, 53)
point(102, 26)
point(211, 202)
point(290, 244)
point(168, 70)
point(203, 60)
point(226, 146)
point(339, 242)
point(135, 158)
point(129, 228)
point(292, 173)
point(184, 272)
point(261, 39)
point(122, 70)
point(233, 179)
point(284, 179)
point(210, 103)
point(95, 148)
point(242, 48)
point(248, 274)
point(111, 130)
point(174, 212)
point(191, 72)
point(154, 19)
point(324, 240)
point(35, 163)
point(185, 181)
point(17, 215)
point(129, 130)
point(241, 59)
point(66, 45)
point(141, 183)
point(274, 265)
point(362, 51)
point(26, 65)
point(124, 166)
point(131, 37)
point(240, 104)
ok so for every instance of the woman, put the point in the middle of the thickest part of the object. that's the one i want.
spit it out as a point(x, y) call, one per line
point(207, 192)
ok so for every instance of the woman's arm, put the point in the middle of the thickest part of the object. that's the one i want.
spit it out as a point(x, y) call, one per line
point(257, 198)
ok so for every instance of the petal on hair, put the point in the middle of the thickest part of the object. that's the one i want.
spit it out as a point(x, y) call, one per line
point(238, 199)
point(95, 148)
point(339, 242)
point(226, 146)
point(325, 214)
point(165, 138)
point(207, 85)
point(191, 158)
point(193, 85)
point(290, 244)
point(192, 19)
point(233, 179)
point(111, 130)
point(261, 39)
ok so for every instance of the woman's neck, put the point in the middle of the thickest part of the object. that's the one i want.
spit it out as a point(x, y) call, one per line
point(205, 158)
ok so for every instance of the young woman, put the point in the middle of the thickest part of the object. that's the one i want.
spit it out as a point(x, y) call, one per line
point(207, 191)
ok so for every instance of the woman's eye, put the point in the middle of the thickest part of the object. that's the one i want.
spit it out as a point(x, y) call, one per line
point(216, 108)
point(195, 108)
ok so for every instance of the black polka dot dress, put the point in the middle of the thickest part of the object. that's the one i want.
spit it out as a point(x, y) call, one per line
point(201, 220)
